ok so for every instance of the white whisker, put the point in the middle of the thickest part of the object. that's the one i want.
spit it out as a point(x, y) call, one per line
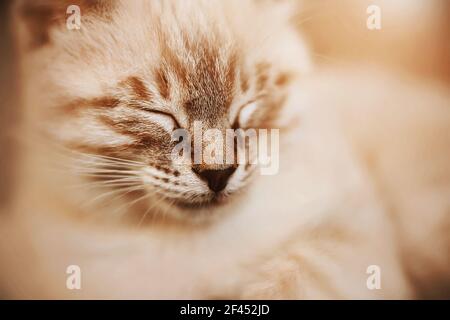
point(124, 190)
point(130, 204)
point(106, 184)
point(109, 158)
point(94, 170)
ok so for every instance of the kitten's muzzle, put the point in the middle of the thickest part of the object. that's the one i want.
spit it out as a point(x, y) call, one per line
point(217, 179)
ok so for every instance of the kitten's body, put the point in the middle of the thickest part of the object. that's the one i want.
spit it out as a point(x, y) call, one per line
point(363, 180)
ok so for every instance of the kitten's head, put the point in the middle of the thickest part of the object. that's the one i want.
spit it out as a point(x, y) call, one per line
point(115, 89)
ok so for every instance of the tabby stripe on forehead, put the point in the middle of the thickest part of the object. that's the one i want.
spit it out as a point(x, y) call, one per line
point(170, 64)
point(137, 86)
point(152, 135)
point(231, 71)
point(102, 102)
point(139, 89)
point(163, 83)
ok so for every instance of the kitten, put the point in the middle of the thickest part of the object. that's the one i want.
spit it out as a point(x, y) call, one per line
point(108, 97)
point(116, 89)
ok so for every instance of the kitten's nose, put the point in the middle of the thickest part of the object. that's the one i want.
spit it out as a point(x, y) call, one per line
point(217, 179)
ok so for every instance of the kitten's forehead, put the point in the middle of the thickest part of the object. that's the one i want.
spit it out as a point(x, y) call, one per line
point(200, 76)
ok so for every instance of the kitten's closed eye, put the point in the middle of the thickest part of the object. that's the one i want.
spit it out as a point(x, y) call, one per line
point(164, 119)
point(245, 114)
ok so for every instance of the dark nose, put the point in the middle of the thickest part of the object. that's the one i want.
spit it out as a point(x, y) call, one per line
point(217, 179)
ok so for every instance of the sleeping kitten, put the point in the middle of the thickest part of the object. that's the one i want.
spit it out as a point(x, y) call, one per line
point(107, 98)
point(115, 90)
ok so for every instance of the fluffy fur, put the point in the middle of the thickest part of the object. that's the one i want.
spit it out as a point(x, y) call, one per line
point(364, 177)
point(119, 86)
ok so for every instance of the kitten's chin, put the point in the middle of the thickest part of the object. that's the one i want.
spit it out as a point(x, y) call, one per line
point(215, 200)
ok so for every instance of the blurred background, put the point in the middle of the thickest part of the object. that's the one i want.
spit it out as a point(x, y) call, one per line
point(414, 38)
point(414, 41)
point(9, 106)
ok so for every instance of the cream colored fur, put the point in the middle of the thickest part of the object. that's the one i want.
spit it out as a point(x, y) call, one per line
point(364, 180)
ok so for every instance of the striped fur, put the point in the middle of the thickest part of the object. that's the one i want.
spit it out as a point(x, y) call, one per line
point(139, 69)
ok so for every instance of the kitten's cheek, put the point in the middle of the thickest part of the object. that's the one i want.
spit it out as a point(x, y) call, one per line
point(87, 132)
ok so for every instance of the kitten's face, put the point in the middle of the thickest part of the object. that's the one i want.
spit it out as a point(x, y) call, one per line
point(137, 70)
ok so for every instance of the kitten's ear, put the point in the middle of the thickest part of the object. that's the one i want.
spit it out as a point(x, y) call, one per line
point(35, 18)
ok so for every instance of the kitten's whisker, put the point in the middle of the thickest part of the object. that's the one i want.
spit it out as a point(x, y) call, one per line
point(165, 212)
point(96, 164)
point(129, 191)
point(149, 209)
point(124, 190)
point(169, 187)
point(109, 158)
point(105, 163)
point(94, 171)
point(130, 204)
point(112, 183)
point(110, 176)
point(81, 156)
